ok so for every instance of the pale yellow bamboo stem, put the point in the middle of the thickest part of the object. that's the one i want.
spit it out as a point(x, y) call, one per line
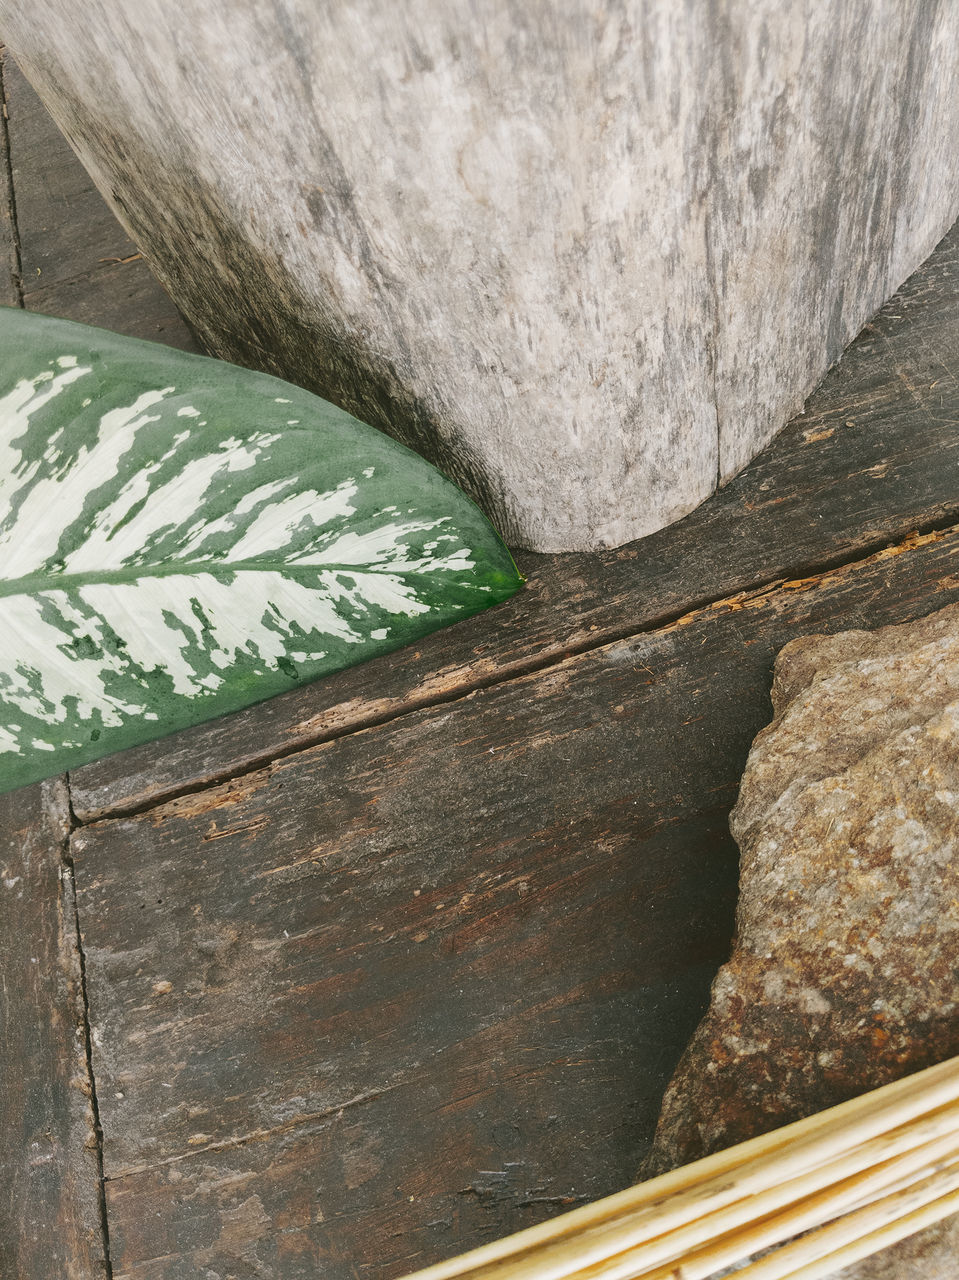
point(885, 1236)
point(854, 1227)
point(701, 1260)
point(834, 1186)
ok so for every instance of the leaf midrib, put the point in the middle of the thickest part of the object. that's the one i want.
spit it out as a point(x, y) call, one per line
point(37, 583)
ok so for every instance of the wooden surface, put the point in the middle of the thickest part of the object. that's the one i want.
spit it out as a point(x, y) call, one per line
point(380, 971)
point(485, 922)
point(50, 1188)
point(587, 258)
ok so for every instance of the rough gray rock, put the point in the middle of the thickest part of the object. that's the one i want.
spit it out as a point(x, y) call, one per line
point(845, 970)
point(587, 258)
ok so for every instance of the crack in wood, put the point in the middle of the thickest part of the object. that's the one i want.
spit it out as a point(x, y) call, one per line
point(53, 1222)
point(95, 1143)
point(258, 1135)
point(17, 263)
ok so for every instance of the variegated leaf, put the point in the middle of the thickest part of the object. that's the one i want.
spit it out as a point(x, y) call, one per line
point(180, 538)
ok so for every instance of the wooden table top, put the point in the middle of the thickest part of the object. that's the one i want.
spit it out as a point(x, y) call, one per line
point(401, 962)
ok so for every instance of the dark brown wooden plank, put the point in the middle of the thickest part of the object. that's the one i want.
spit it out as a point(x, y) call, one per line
point(123, 297)
point(379, 1188)
point(50, 1223)
point(76, 259)
point(9, 259)
point(64, 226)
point(469, 940)
point(875, 455)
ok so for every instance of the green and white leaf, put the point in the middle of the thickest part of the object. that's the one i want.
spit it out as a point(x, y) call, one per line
point(180, 538)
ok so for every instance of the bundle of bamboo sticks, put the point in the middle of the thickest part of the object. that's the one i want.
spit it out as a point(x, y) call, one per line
point(811, 1198)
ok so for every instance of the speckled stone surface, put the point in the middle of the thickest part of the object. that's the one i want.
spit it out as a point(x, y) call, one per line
point(845, 969)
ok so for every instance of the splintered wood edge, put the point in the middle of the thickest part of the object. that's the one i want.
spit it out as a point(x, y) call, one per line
point(706, 1182)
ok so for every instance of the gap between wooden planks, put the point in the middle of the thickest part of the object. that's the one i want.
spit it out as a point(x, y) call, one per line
point(359, 715)
point(52, 1220)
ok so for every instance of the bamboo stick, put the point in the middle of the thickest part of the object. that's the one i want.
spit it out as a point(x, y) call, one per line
point(700, 1260)
point(849, 1231)
point(741, 1190)
point(880, 1239)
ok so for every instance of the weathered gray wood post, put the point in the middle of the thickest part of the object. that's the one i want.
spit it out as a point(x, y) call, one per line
point(587, 258)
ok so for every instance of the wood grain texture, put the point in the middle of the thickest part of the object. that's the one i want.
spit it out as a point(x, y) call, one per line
point(443, 958)
point(63, 231)
point(587, 260)
point(76, 260)
point(9, 258)
point(123, 297)
point(826, 192)
point(49, 1176)
point(874, 455)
